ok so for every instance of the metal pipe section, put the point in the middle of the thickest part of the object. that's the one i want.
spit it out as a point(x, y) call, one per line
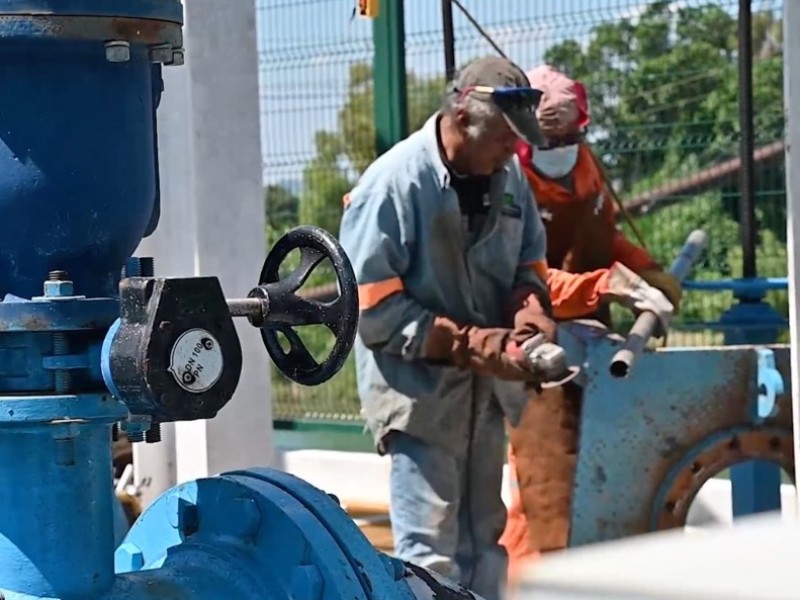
point(645, 325)
point(248, 307)
point(449, 39)
point(54, 500)
point(87, 71)
point(739, 286)
point(747, 210)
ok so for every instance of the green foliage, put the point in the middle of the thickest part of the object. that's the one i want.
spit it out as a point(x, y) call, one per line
point(281, 208)
point(661, 98)
point(340, 157)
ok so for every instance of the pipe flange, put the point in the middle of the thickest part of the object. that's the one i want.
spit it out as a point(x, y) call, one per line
point(163, 10)
point(133, 30)
point(714, 454)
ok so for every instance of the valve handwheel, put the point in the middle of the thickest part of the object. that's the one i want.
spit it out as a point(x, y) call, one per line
point(286, 309)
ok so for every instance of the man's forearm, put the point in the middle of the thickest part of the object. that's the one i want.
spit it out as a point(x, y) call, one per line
point(397, 325)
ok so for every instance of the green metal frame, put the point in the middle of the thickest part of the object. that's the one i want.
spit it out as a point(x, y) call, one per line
point(389, 73)
point(345, 436)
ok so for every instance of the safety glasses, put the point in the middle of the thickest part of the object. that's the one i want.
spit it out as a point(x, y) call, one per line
point(507, 98)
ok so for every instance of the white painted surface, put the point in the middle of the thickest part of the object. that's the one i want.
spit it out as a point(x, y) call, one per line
point(791, 66)
point(755, 560)
point(213, 223)
point(353, 477)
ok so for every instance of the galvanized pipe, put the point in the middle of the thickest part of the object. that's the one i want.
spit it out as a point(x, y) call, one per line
point(449, 39)
point(248, 307)
point(646, 324)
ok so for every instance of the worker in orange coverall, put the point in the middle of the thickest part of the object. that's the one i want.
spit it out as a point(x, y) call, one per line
point(576, 205)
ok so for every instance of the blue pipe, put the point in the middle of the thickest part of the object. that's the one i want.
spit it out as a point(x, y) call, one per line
point(755, 287)
point(56, 522)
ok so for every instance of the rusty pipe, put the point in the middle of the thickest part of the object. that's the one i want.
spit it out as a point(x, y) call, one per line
point(647, 322)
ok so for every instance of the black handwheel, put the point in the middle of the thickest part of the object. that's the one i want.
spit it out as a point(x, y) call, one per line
point(287, 310)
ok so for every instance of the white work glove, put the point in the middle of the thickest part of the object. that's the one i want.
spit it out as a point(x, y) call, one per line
point(627, 288)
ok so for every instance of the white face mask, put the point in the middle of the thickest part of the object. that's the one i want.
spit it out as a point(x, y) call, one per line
point(557, 162)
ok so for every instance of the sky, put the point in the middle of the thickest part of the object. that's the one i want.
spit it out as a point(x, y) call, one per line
point(306, 48)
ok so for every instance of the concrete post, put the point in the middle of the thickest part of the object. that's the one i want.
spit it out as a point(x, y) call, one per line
point(213, 223)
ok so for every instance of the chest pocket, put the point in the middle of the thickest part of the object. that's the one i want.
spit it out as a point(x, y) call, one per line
point(497, 256)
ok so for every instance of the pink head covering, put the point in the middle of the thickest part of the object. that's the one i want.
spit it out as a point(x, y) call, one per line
point(564, 106)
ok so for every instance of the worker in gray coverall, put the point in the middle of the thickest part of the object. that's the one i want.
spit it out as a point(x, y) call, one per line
point(449, 252)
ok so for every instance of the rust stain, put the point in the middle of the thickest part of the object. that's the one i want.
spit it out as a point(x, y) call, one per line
point(143, 31)
point(773, 446)
point(140, 30)
point(30, 323)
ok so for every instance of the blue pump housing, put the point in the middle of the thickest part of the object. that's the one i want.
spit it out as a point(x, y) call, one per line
point(79, 189)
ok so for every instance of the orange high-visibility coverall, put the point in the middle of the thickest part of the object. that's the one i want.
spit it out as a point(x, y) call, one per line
point(582, 237)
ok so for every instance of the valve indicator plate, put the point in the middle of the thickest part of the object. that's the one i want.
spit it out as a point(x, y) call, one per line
point(196, 361)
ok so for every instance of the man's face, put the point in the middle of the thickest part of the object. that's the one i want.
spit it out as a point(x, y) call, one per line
point(491, 148)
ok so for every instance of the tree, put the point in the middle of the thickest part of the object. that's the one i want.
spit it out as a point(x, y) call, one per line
point(664, 100)
point(663, 88)
point(325, 182)
point(342, 155)
point(281, 209)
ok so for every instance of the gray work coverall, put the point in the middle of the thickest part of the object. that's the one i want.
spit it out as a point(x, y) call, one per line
point(443, 427)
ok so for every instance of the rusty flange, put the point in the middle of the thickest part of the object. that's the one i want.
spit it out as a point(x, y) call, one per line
point(714, 454)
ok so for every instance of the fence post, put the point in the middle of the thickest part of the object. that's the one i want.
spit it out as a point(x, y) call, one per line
point(389, 76)
point(791, 71)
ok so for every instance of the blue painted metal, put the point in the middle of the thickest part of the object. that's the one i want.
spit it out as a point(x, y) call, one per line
point(755, 484)
point(755, 487)
point(755, 287)
point(297, 540)
point(770, 384)
point(712, 454)
point(751, 321)
point(87, 73)
point(636, 434)
point(79, 216)
point(162, 10)
point(55, 495)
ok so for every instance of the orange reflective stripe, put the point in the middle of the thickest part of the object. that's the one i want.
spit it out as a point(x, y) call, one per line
point(372, 294)
point(539, 266)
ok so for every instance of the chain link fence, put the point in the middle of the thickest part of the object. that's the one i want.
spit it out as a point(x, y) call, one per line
point(663, 86)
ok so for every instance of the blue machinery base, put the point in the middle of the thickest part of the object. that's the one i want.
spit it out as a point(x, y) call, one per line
point(755, 485)
point(647, 443)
